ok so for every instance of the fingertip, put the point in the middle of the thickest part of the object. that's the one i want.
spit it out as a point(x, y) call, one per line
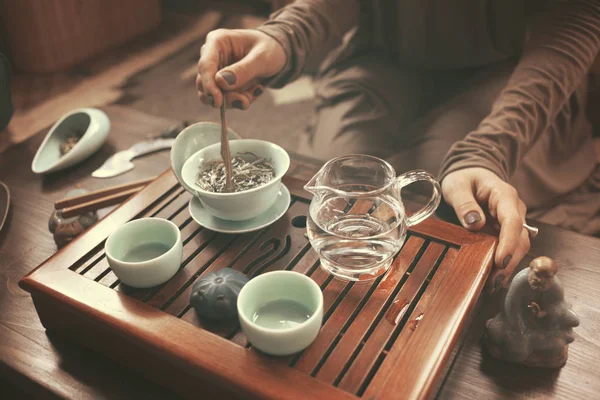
point(226, 80)
point(254, 92)
point(473, 220)
point(207, 99)
point(511, 230)
point(505, 283)
point(502, 259)
point(217, 99)
point(237, 101)
point(460, 196)
point(499, 282)
point(494, 281)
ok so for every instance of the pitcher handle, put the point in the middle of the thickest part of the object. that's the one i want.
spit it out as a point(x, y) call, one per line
point(420, 175)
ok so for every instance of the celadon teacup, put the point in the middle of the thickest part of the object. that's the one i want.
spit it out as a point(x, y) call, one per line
point(145, 252)
point(276, 286)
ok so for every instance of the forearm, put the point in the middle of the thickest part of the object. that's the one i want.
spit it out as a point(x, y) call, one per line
point(562, 45)
point(303, 27)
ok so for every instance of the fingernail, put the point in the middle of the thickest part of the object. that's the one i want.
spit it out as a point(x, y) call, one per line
point(211, 99)
point(237, 104)
point(498, 282)
point(257, 92)
point(472, 217)
point(229, 77)
point(506, 261)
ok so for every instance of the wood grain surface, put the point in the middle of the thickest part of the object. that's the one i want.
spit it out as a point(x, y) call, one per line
point(160, 334)
point(46, 365)
point(42, 100)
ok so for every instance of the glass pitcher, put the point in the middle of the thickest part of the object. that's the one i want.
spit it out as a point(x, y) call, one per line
point(357, 222)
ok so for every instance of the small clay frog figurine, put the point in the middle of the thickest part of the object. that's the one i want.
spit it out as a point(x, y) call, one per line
point(536, 325)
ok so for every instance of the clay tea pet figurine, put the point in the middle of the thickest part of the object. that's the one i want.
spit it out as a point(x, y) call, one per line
point(536, 325)
point(66, 229)
point(215, 295)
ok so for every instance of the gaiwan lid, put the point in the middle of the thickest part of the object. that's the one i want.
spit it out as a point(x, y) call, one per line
point(215, 295)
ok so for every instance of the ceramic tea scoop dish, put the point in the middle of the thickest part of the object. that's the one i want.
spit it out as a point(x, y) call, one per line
point(89, 125)
point(243, 205)
point(145, 252)
point(280, 312)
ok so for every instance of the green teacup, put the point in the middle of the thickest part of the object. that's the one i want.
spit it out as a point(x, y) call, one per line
point(280, 312)
point(145, 252)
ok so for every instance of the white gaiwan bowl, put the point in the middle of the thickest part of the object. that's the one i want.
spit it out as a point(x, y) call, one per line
point(193, 138)
point(238, 206)
point(93, 123)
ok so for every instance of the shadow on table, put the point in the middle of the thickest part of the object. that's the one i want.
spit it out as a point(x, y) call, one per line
point(62, 180)
point(521, 379)
point(7, 224)
point(101, 374)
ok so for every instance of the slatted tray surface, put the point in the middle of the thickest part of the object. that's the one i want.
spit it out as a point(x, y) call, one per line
point(368, 329)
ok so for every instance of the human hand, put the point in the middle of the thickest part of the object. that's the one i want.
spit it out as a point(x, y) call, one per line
point(249, 56)
point(467, 191)
point(534, 308)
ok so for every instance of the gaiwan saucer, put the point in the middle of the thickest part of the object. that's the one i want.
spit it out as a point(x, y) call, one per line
point(207, 220)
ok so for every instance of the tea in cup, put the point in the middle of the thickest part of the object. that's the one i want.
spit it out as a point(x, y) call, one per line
point(280, 312)
point(145, 252)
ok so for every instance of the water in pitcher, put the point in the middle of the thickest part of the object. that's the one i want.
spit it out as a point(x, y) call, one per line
point(357, 239)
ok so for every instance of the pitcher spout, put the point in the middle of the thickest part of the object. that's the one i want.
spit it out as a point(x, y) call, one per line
point(314, 185)
point(317, 184)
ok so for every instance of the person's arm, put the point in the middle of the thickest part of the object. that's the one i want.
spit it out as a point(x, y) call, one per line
point(562, 44)
point(273, 54)
point(303, 27)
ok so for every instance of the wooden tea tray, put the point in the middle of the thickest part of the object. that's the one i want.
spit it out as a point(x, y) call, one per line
point(391, 338)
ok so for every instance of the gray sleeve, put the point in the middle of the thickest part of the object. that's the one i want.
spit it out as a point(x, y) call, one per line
point(563, 42)
point(303, 27)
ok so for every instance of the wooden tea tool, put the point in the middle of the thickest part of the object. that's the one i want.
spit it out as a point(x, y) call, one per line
point(92, 201)
point(225, 152)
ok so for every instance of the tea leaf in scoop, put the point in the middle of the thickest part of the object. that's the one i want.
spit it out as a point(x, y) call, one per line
point(68, 144)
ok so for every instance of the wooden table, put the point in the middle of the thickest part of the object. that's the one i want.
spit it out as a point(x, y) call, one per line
point(34, 362)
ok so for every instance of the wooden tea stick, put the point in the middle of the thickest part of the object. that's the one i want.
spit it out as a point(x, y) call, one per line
point(225, 152)
point(99, 203)
point(102, 193)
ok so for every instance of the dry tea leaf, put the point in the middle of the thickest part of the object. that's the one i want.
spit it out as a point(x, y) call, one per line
point(68, 144)
point(246, 174)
